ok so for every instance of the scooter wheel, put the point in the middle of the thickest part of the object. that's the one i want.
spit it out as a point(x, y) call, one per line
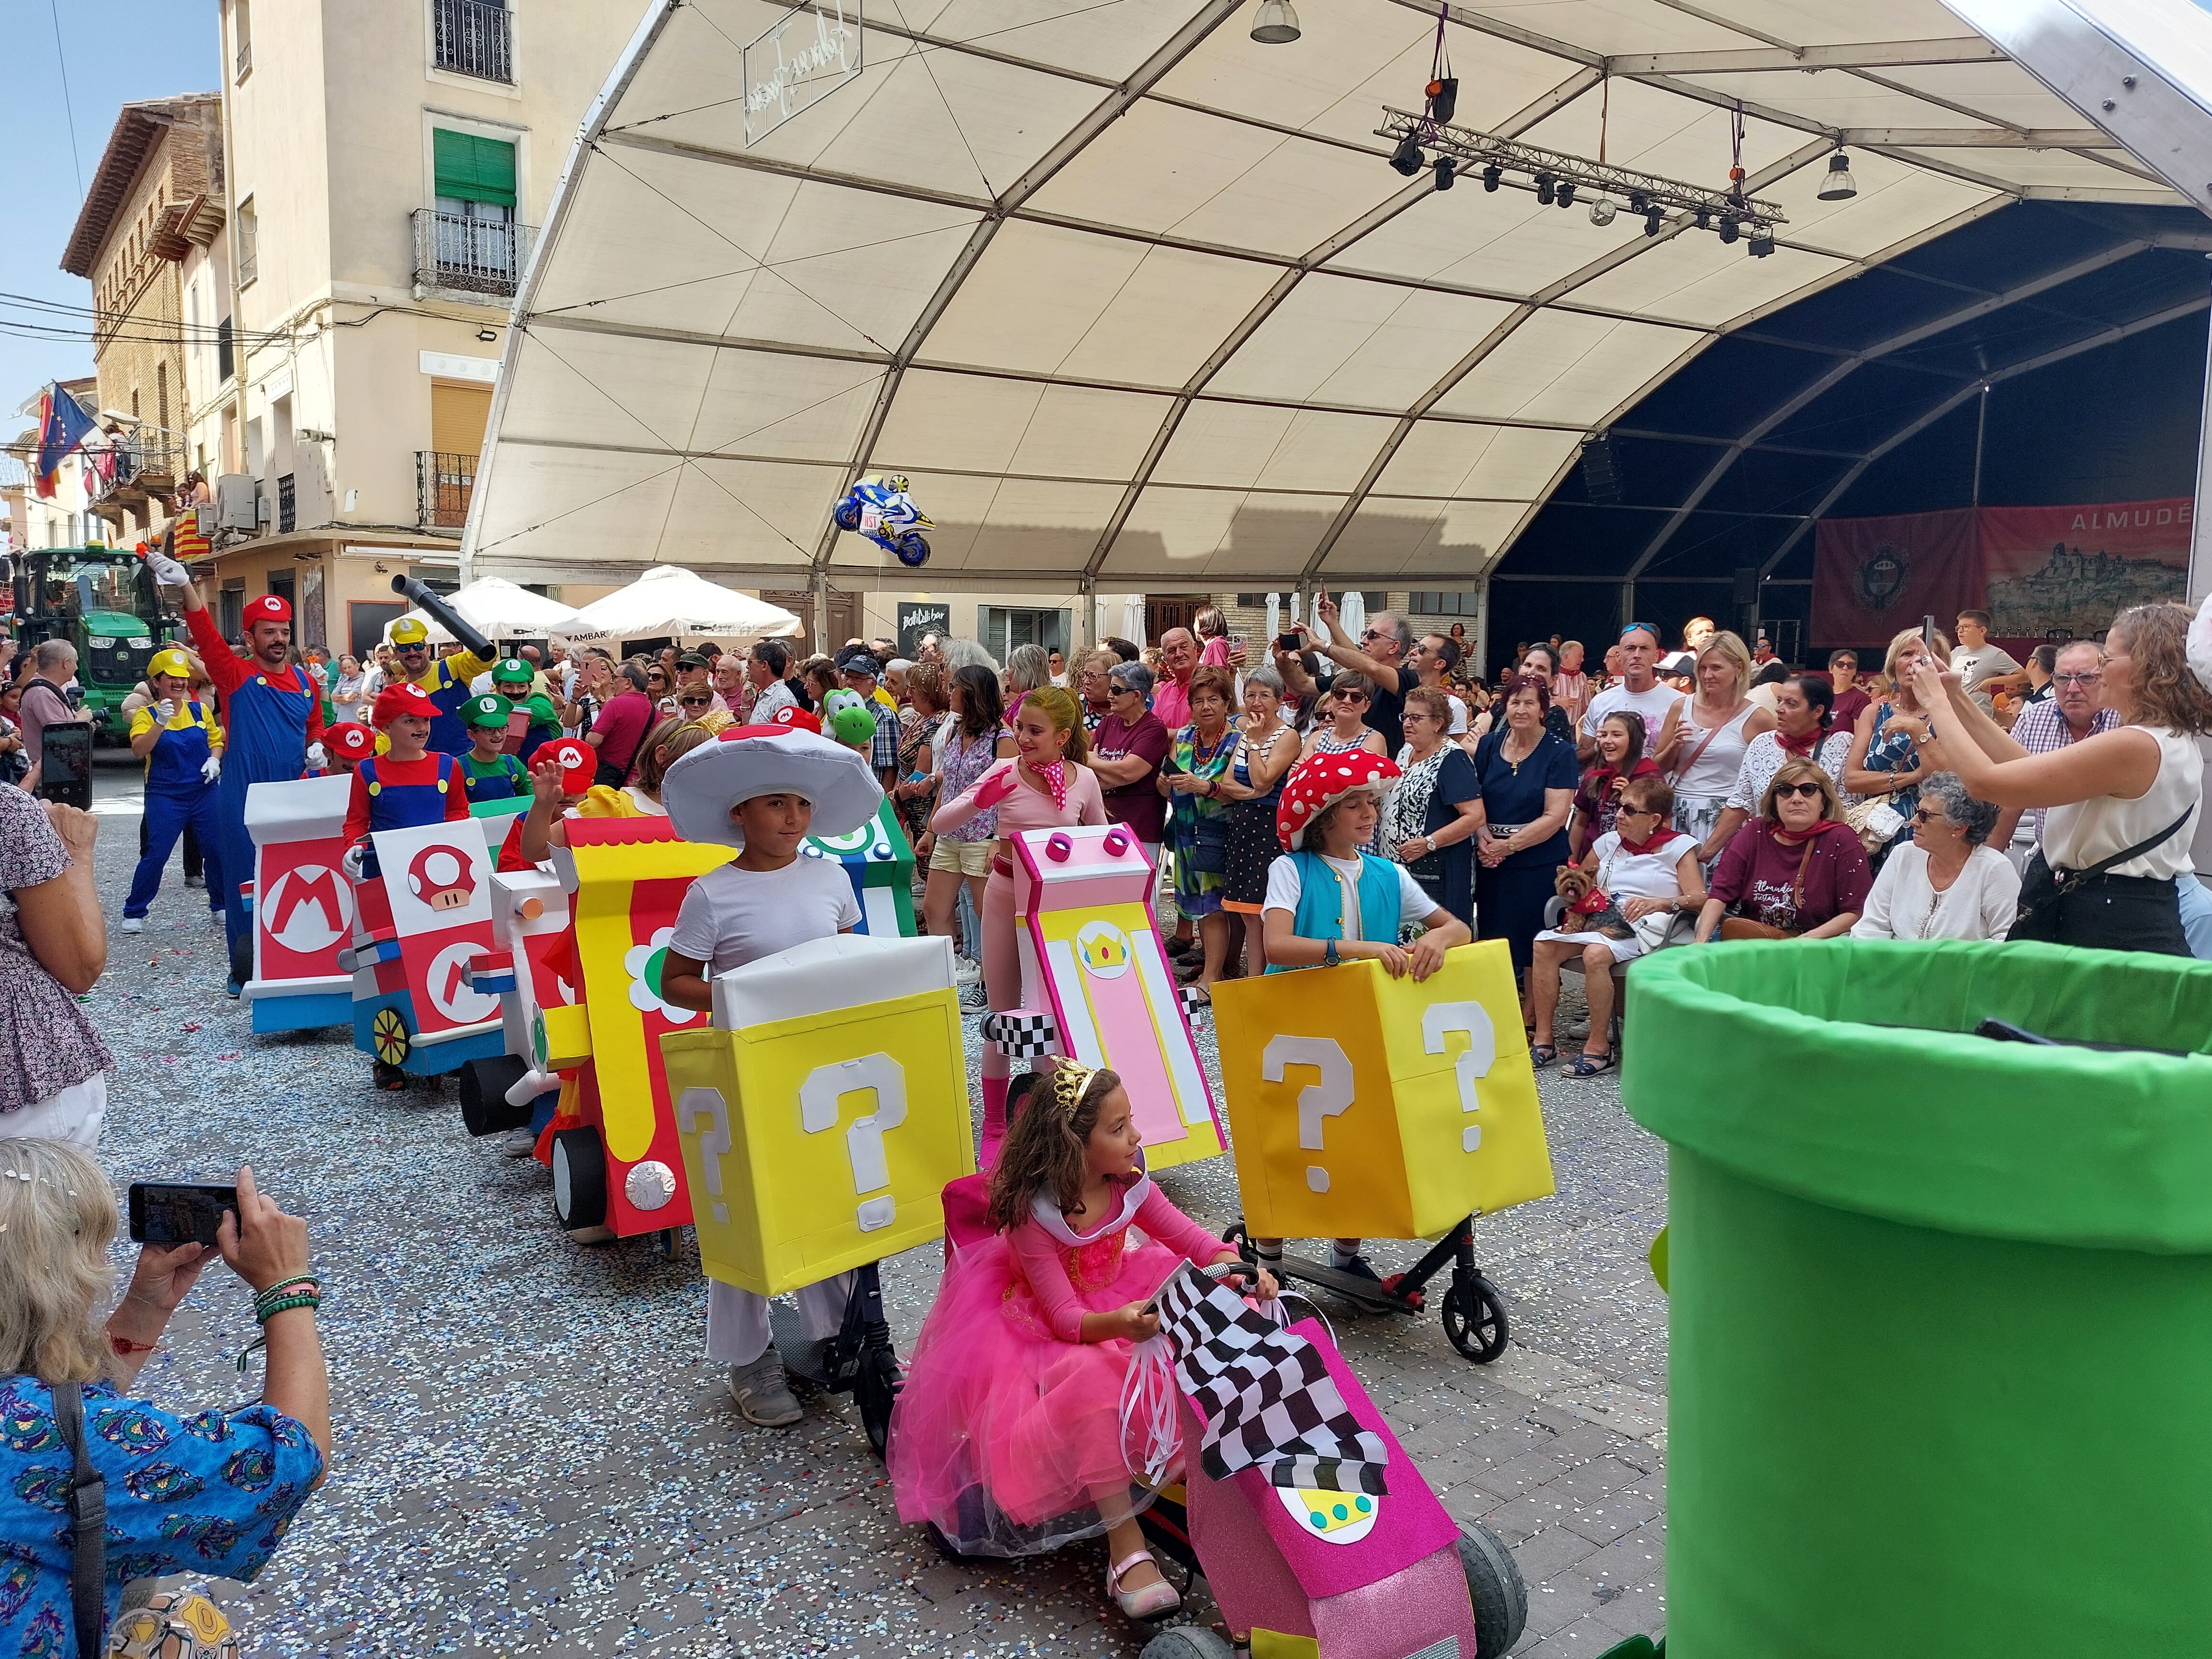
point(1474, 1318)
point(1494, 1584)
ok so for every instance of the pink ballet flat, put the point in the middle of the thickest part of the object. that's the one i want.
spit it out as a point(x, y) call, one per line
point(1150, 1601)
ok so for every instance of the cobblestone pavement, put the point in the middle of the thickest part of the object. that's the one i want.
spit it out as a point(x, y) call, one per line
point(532, 1458)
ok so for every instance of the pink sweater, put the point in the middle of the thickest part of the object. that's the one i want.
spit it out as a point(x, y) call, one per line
point(1027, 808)
point(1043, 1261)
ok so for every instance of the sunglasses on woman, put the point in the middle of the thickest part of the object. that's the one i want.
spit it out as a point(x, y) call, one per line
point(699, 700)
point(1783, 789)
point(1351, 696)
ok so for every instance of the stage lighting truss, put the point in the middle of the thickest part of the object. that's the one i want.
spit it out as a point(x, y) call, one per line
point(1557, 179)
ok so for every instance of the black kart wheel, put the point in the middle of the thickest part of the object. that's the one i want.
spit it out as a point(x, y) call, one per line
point(1474, 1318)
point(579, 1180)
point(1192, 1642)
point(484, 1084)
point(1494, 1584)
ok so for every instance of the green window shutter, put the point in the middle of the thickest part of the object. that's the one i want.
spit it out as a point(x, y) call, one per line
point(473, 169)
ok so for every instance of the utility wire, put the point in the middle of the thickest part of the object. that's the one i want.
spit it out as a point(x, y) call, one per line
point(53, 8)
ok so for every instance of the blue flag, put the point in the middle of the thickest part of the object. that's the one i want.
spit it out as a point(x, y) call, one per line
point(62, 431)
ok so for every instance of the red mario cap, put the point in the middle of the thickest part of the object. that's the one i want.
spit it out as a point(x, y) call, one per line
point(404, 698)
point(268, 608)
point(351, 740)
point(789, 718)
point(574, 757)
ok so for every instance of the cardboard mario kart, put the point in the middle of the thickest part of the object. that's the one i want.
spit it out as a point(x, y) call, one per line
point(302, 905)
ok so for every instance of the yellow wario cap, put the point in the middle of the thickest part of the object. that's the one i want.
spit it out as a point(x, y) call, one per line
point(410, 630)
point(171, 662)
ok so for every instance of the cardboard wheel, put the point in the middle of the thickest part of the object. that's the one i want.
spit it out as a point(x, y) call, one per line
point(579, 1180)
point(388, 1031)
point(484, 1084)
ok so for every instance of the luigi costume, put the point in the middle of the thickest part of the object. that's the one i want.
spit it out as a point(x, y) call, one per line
point(501, 776)
point(514, 679)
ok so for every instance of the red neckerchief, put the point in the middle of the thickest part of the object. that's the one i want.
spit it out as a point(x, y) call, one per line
point(1812, 834)
point(1802, 749)
point(1055, 776)
point(1658, 838)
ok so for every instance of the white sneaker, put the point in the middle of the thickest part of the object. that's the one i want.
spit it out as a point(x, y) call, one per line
point(965, 972)
point(134, 925)
point(518, 1143)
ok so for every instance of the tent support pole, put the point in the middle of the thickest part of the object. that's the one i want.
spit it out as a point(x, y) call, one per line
point(1086, 629)
point(1482, 629)
point(822, 609)
point(2200, 539)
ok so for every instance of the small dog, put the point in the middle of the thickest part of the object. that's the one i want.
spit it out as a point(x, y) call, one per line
point(1589, 909)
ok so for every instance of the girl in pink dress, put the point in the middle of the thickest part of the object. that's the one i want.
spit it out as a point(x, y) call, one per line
point(1008, 1436)
point(1045, 787)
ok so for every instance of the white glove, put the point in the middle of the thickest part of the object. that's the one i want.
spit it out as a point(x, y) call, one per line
point(165, 711)
point(211, 768)
point(318, 757)
point(351, 862)
point(166, 571)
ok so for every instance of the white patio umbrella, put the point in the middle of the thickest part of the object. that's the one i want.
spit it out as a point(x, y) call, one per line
point(506, 611)
point(670, 600)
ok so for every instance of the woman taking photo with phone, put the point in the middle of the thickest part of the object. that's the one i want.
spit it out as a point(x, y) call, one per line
point(2123, 804)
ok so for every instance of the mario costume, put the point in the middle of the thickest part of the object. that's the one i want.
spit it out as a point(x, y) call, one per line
point(350, 743)
point(579, 766)
point(401, 795)
point(733, 916)
point(269, 722)
point(500, 778)
point(181, 770)
point(445, 682)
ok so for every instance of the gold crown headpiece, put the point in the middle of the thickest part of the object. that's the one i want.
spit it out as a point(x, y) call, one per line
point(1069, 1085)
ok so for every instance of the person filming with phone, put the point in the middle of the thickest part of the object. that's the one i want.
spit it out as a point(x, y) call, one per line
point(202, 1490)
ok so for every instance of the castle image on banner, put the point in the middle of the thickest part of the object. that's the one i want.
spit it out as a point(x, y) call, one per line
point(2075, 595)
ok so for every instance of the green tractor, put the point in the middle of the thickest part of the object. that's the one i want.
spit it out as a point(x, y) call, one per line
point(103, 601)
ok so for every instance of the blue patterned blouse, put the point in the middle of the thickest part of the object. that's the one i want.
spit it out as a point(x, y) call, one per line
point(210, 1494)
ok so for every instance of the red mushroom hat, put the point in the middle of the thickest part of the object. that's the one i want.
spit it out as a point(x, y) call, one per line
point(746, 761)
point(1320, 778)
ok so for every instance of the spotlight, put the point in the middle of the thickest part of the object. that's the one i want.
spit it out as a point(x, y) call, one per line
point(1444, 99)
point(1653, 217)
point(1407, 157)
point(1602, 211)
point(1762, 241)
point(1638, 201)
point(1490, 175)
point(1729, 231)
point(1447, 169)
point(1567, 193)
point(1838, 185)
point(1704, 220)
point(1544, 191)
point(1275, 24)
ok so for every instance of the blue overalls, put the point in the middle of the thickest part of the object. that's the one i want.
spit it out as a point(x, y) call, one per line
point(1321, 902)
point(448, 681)
point(404, 805)
point(266, 729)
point(503, 780)
point(177, 795)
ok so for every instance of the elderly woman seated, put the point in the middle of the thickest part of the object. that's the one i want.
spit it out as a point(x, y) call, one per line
point(1795, 871)
point(1945, 882)
point(210, 1492)
point(1648, 870)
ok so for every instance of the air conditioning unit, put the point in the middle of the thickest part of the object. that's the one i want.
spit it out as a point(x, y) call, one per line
point(235, 493)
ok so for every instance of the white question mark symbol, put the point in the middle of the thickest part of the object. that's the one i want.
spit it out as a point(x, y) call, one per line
point(699, 1107)
point(1316, 1101)
point(863, 1141)
point(1474, 1060)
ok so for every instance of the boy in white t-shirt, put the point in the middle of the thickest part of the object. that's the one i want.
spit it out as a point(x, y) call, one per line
point(1329, 903)
point(763, 790)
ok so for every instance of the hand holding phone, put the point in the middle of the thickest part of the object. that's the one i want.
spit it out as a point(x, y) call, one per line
point(164, 1212)
point(1928, 635)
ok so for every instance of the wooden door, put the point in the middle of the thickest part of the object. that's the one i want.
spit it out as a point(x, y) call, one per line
point(1166, 610)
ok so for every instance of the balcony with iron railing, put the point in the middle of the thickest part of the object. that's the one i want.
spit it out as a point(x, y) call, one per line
point(443, 482)
point(474, 38)
point(465, 255)
point(125, 471)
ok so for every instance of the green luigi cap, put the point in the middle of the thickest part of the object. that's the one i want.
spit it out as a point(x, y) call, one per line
point(489, 709)
point(511, 670)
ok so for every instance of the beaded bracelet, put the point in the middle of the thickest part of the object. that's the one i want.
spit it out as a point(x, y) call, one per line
point(281, 1298)
point(298, 1285)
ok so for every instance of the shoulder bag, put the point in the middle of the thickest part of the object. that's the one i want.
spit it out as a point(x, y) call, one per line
point(1745, 928)
point(88, 1517)
point(2044, 890)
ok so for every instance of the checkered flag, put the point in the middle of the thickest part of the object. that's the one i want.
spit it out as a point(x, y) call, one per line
point(1268, 1402)
point(1021, 1035)
point(1196, 999)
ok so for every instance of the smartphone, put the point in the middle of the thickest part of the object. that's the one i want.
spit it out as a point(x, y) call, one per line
point(1928, 635)
point(65, 763)
point(1288, 642)
point(178, 1212)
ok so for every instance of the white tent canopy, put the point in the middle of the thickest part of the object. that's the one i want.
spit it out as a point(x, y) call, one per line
point(1131, 297)
point(502, 610)
point(672, 601)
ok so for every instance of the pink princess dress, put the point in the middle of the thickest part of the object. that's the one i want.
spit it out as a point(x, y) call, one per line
point(1010, 1423)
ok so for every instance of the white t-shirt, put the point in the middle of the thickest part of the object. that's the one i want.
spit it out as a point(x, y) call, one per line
point(1652, 705)
point(1974, 666)
point(1285, 885)
point(732, 916)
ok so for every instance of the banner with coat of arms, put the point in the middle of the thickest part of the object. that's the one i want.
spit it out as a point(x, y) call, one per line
point(1874, 578)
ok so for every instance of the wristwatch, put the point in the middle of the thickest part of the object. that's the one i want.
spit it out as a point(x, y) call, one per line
point(1329, 958)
